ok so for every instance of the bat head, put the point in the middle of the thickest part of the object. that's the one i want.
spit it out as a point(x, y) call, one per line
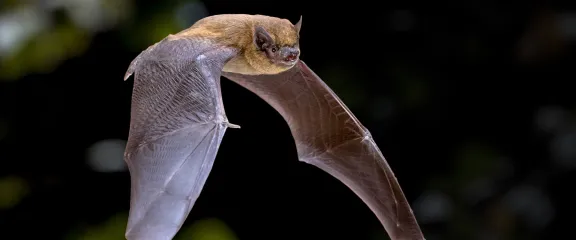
point(275, 47)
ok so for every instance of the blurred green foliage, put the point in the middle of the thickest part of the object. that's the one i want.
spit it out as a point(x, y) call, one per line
point(12, 190)
point(10, 3)
point(111, 229)
point(43, 53)
point(152, 29)
point(475, 160)
point(207, 229)
point(114, 227)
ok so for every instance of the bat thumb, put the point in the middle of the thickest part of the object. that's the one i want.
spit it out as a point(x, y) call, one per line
point(230, 125)
point(127, 75)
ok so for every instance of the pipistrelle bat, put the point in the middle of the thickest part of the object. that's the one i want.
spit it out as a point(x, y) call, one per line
point(178, 121)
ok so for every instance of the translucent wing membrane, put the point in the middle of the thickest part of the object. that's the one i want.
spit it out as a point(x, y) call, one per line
point(177, 124)
point(328, 136)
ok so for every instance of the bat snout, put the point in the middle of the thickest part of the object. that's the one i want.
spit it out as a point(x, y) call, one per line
point(290, 54)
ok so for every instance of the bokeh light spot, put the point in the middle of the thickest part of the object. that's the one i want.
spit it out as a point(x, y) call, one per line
point(12, 190)
point(107, 156)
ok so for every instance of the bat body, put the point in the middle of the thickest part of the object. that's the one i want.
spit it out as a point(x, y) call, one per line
point(178, 121)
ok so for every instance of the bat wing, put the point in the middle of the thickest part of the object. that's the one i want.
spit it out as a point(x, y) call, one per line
point(177, 124)
point(328, 136)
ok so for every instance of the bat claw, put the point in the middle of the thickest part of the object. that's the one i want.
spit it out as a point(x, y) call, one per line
point(230, 125)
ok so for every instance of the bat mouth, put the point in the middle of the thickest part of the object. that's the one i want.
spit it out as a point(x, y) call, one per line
point(285, 63)
point(284, 57)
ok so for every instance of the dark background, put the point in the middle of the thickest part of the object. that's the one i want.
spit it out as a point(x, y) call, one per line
point(471, 103)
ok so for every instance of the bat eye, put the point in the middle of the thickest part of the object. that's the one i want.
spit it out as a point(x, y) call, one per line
point(274, 49)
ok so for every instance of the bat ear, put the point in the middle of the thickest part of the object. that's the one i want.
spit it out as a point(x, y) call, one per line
point(298, 25)
point(262, 38)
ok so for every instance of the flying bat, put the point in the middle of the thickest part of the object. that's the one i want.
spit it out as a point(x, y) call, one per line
point(178, 121)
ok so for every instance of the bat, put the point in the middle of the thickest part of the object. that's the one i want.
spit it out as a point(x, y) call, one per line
point(178, 121)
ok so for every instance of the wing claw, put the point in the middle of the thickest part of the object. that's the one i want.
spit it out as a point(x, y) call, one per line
point(230, 125)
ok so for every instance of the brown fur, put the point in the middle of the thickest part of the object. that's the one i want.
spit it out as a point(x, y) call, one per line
point(237, 30)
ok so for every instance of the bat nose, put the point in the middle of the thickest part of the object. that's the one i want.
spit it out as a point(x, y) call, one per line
point(295, 52)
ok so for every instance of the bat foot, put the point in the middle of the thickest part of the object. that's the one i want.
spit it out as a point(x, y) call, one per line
point(230, 125)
